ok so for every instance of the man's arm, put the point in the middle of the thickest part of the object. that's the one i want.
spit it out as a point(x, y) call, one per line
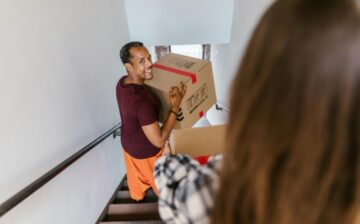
point(158, 136)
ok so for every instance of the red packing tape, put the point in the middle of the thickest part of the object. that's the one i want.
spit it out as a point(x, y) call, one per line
point(202, 159)
point(177, 71)
point(201, 113)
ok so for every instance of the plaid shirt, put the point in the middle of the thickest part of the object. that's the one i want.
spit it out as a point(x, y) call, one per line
point(186, 188)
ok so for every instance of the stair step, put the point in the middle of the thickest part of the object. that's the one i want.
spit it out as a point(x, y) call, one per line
point(134, 222)
point(133, 211)
point(124, 197)
point(125, 186)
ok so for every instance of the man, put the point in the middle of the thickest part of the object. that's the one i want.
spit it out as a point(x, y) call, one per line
point(142, 138)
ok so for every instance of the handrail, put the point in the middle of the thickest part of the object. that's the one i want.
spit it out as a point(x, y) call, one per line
point(221, 107)
point(41, 181)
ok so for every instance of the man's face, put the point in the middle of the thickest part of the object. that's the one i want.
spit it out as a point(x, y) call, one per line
point(141, 62)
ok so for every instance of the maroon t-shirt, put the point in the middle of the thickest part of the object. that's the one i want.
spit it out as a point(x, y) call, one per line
point(137, 108)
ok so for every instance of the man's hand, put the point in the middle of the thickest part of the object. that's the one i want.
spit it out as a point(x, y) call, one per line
point(175, 96)
point(156, 135)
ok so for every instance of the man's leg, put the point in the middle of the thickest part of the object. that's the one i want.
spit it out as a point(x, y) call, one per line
point(140, 175)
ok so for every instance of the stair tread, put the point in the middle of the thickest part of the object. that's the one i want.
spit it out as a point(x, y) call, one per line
point(124, 210)
point(134, 222)
point(133, 211)
point(125, 186)
point(124, 197)
point(133, 208)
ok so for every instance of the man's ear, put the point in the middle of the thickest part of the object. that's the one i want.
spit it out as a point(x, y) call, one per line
point(129, 67)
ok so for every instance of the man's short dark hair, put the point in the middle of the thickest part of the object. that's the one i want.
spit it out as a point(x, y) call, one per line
point(125, 50)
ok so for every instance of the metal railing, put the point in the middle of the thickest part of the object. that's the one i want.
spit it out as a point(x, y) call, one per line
point(221, 107)
point(41, 181)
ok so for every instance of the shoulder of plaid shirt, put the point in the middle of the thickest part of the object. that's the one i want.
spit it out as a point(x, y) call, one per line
point(186, 188)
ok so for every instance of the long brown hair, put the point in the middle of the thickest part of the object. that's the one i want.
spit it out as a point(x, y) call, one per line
point(293, 152)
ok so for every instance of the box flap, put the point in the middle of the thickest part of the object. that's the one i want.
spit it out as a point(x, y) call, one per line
point(199, 141)
point(182, 62)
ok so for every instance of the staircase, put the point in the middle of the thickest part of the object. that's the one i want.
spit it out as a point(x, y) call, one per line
point(123, 210)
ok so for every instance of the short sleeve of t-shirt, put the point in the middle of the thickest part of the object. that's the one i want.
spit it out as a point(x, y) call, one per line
point(146, 114)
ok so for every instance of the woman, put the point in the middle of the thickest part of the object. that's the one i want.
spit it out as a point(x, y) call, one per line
point(293, 152)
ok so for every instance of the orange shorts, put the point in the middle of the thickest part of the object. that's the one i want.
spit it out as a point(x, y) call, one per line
point(139, 174)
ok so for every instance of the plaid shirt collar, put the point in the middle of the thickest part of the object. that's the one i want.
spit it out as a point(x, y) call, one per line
point(186, 188)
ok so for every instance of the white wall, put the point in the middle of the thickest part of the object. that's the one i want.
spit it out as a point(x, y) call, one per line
point(59, 67)
point(226, 57)
point(170, 22)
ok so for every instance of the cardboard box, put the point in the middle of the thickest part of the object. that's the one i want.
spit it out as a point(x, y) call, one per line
point(201, 141)
point(196, 74)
